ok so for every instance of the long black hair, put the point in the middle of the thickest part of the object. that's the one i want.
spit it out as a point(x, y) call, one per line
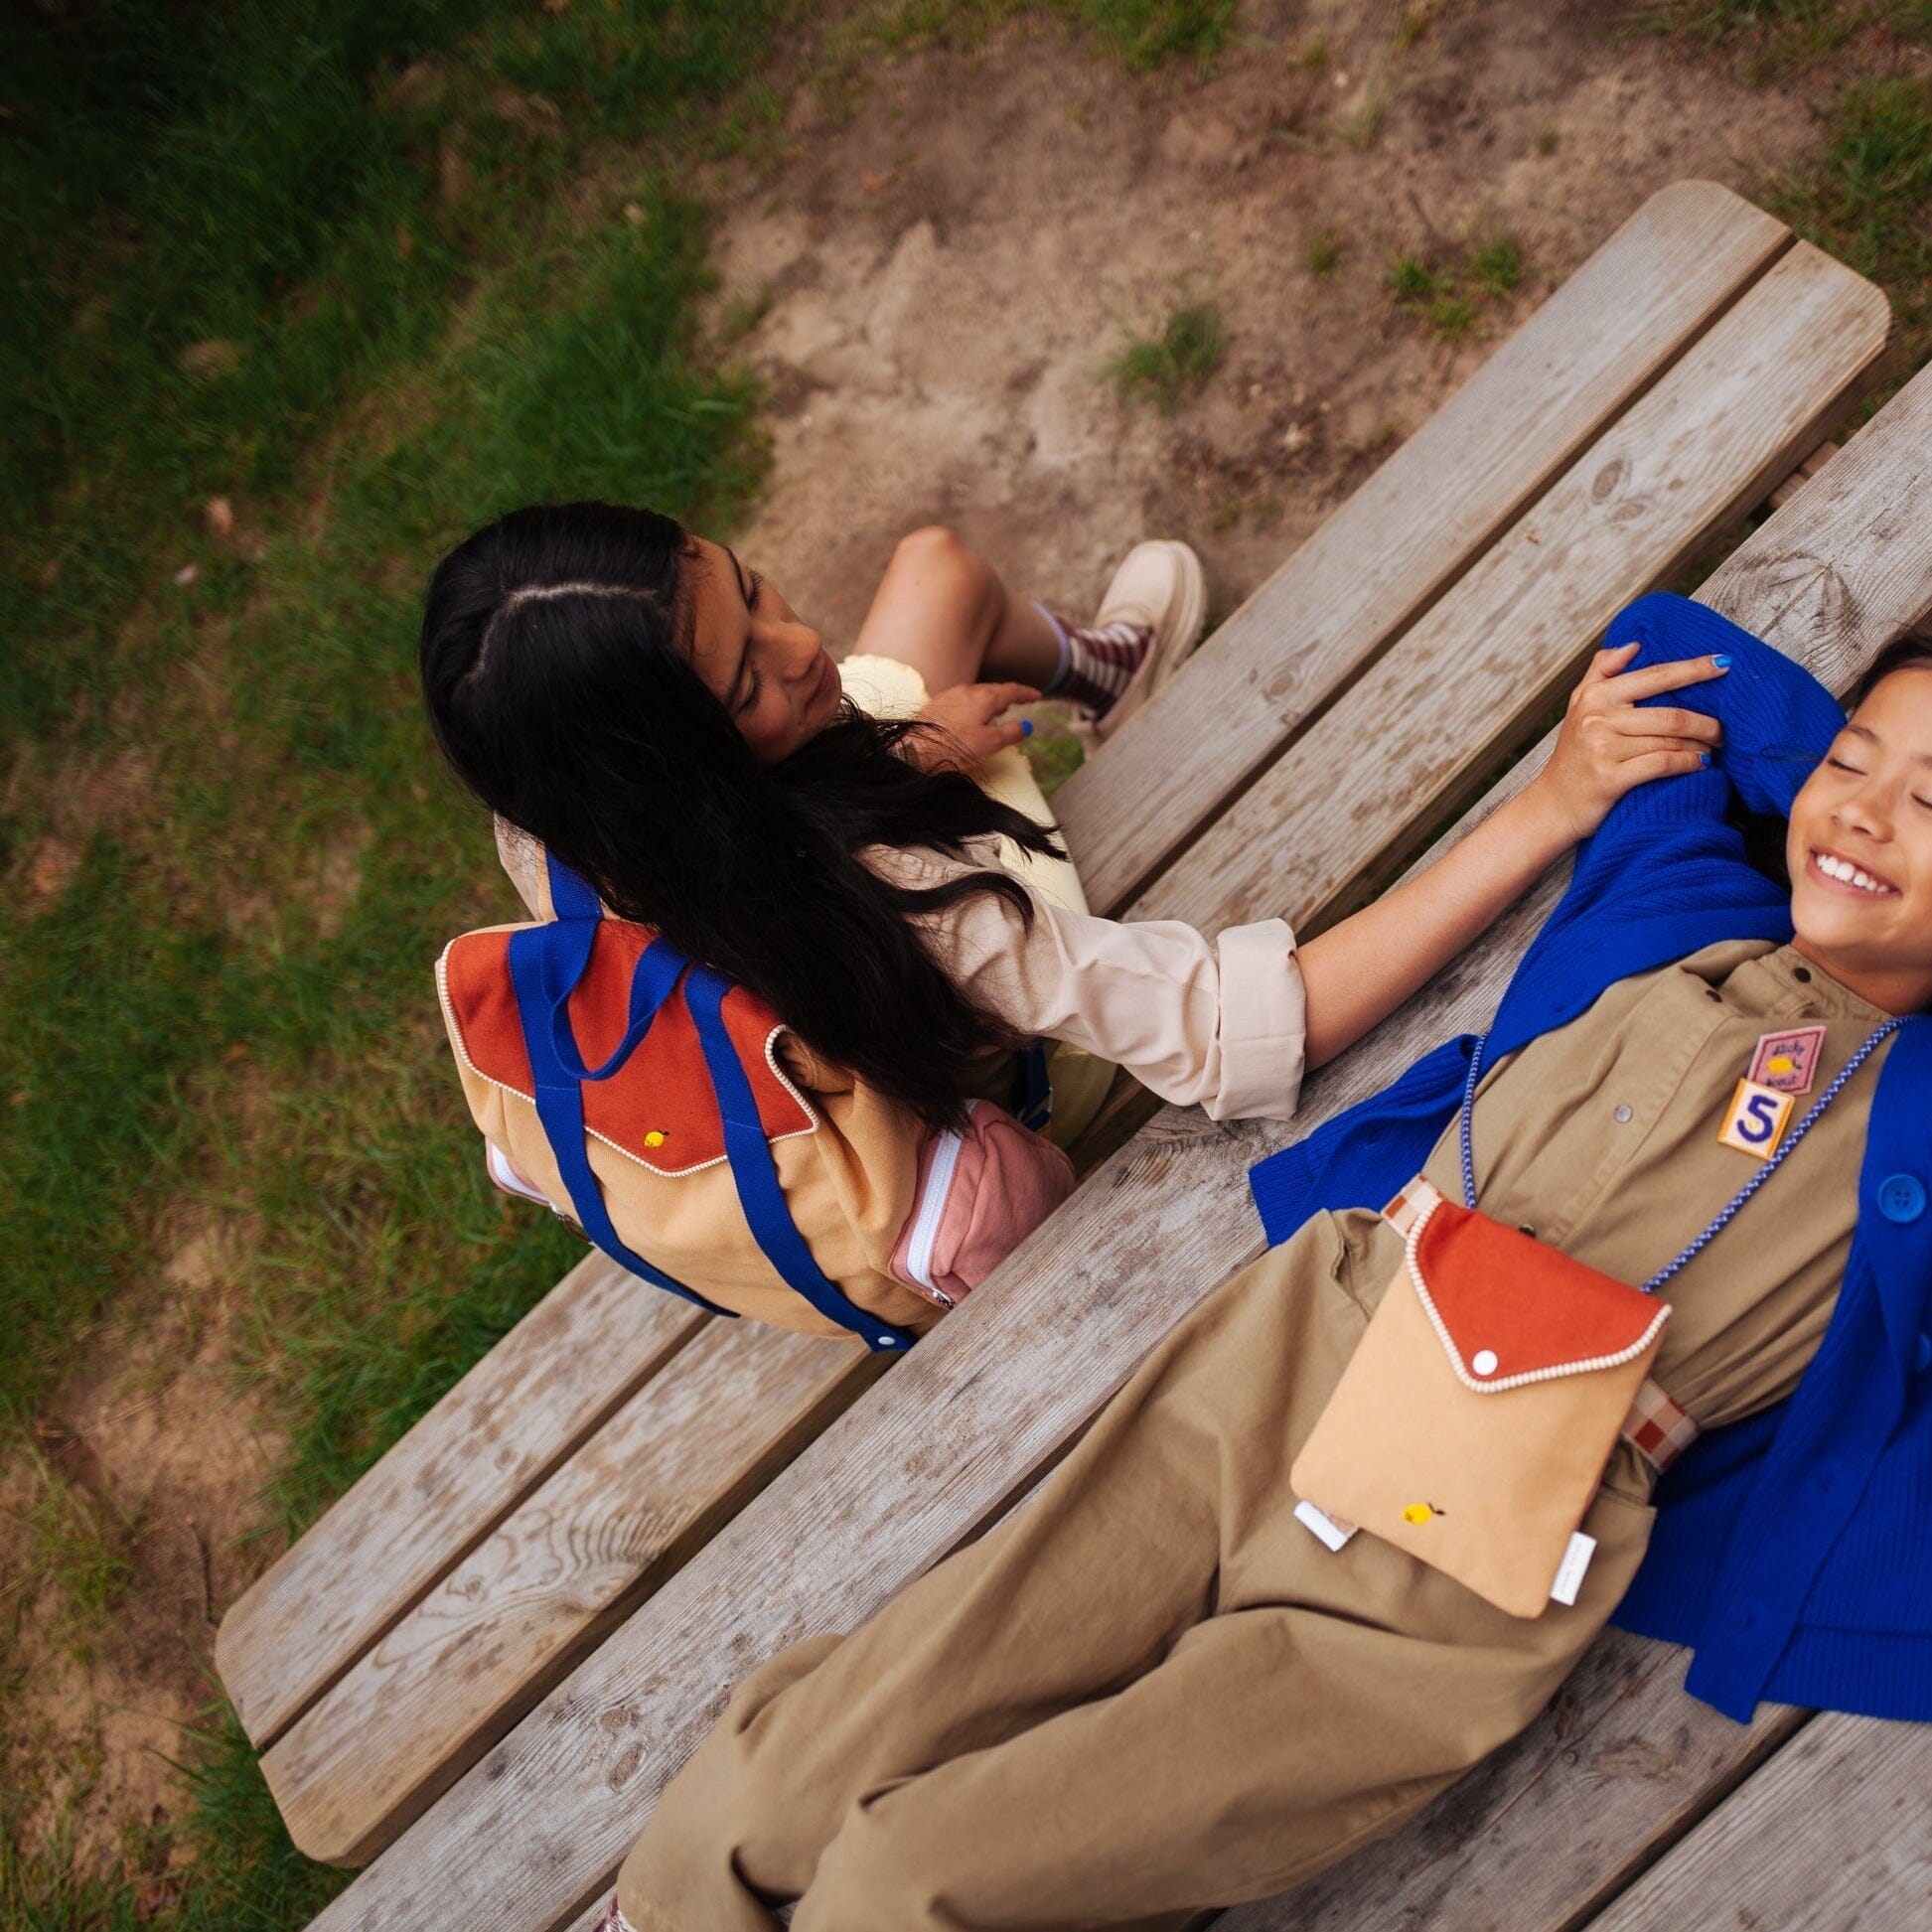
point(556, 673)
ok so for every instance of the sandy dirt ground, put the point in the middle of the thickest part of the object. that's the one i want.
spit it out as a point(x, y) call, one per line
point(941, 272)
point(949, 272)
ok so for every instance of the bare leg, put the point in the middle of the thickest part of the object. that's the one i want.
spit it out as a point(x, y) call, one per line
point(942, 609)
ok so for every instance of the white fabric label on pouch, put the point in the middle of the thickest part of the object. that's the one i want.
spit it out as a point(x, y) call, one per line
point(1569, 1572)
point(1331, 1530)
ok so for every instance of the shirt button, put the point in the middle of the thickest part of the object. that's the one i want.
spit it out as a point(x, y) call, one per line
point(1484, 1361)
point(1901, 1198)
point(1922, 1355)
point(1622, 1114)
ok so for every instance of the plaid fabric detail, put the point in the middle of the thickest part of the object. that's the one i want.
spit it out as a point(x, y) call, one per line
point(1100, 664)
point(1657, 1428)
point(1408, 1206)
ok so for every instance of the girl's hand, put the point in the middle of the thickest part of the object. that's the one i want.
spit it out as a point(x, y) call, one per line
point(968, 731)
point(1608, 744)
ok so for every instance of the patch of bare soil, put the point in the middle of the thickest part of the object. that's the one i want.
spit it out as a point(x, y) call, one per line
point(142, 1487)
point(945, 275)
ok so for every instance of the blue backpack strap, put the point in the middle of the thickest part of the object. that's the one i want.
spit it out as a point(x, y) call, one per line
point(1032, 1105)
point(756, 1174)
point(545, 964)
point(571, 895)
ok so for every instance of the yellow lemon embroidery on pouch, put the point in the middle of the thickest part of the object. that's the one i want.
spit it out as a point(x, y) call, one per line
point(654, 1138)
point(1419, 1513)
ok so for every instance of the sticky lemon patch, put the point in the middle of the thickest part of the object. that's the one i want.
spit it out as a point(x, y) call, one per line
point(654, 1138)
point(1417, 1513)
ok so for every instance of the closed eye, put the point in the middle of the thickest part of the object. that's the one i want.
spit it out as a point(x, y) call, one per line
point(1839, 765)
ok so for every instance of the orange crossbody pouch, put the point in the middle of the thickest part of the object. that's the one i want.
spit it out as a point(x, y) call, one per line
point(1473, 1422)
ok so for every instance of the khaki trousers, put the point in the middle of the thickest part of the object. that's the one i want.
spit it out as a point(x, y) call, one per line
point(1148, 1691)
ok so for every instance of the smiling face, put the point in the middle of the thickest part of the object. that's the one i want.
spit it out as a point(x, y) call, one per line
point(756, 655)
point(1860, 849)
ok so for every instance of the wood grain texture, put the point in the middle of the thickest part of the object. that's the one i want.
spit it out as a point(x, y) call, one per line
point(499, 1433)
point(537, 1594)
point(1541, 1831)
point(1835, 1833)
point(935, 1449)
point(1410, 530)
point(1464, 686)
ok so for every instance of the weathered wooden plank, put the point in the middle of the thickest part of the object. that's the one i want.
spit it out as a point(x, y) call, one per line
point(958, 1426)
point(536, 1595)
point(1836, 1832)
point(1411, 529)
point(513, 1418)
point(1537, 1836)
point(1467, 682)
point(936, 1447)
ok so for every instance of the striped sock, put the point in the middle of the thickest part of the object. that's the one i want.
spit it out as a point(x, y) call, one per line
point(1097, 665)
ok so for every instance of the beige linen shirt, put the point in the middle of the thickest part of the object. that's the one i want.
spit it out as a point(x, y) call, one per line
point(1217, 1023)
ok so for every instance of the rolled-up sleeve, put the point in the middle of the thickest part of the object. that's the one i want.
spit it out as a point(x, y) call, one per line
point(1218, 1023)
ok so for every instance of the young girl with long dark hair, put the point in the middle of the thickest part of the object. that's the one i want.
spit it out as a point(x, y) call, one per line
point(639, 704)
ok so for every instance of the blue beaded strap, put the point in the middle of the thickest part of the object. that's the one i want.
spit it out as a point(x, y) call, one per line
point(1737, 1200)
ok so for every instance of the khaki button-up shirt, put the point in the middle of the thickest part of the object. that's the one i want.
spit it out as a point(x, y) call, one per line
point(1602, 1137)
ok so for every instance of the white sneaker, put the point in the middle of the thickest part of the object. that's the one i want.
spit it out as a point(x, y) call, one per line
point(1159, 583)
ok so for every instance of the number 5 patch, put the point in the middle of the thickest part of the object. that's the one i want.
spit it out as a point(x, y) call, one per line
point(1755, 1120)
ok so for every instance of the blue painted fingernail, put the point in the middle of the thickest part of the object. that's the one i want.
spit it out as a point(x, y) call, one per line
point(1026, 727)
point(1704, 757)
point(1722, 660)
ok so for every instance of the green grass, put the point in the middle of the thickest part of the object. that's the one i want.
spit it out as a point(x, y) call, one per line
point(1496, 266)
point(1325, 249)
point(1862, 196)
point(1173, 367)
point(1865, 200)
point(79, 1541)
point(1142, 35)
point(1448, 297)
point(1783, 36)
point(184, 1026)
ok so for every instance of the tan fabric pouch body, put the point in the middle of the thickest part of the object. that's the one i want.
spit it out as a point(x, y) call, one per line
point(1474, 1420)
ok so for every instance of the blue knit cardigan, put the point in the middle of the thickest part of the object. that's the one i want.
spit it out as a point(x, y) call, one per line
point(1793, 1549)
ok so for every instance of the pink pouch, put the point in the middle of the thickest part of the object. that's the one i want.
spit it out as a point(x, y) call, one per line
point(980, 1193)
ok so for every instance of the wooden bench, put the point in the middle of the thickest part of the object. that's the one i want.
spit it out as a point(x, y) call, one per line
point(1672, 382)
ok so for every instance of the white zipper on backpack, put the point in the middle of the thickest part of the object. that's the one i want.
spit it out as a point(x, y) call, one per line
point(932, 1206)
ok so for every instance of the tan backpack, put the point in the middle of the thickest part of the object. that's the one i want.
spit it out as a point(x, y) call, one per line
point(679, 1123)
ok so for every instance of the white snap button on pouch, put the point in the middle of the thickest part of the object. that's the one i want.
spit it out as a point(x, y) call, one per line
point(1484, 1361)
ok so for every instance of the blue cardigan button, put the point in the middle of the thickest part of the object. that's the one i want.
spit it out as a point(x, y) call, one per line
point(1901, 1197)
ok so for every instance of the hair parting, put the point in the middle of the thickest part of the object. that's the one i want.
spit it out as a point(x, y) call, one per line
point(557, 675)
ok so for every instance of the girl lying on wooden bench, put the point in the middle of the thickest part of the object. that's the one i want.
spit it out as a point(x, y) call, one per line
point(771, 1082)
point(1182, 1675)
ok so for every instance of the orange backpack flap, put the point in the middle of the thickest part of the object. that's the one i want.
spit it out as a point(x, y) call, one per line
point(561, 1011)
